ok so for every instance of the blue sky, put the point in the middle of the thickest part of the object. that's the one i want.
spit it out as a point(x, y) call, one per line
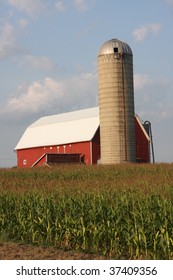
point(48, 62)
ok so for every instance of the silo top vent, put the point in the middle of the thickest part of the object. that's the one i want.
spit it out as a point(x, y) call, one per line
point(113, 46)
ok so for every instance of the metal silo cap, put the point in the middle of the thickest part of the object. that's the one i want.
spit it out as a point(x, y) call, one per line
point(113, 46)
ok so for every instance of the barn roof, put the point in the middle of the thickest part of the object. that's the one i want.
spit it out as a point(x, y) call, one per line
point(77, 126)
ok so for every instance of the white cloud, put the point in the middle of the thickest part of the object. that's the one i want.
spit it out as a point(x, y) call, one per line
point(80, 91)
point(42, 62)
point(23, 22)
point(52, 96)
point(34, 97)
point(80, 4)
point(59, 5)
point(140, 81)
point(31, 7)
point(153, 99)
point(9, 38)
point(8, 45)
point(34, 7)
point(83, 5)
point(142, 32)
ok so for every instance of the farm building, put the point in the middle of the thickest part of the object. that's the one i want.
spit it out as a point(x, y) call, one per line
point(72, 137)
point(108, 134)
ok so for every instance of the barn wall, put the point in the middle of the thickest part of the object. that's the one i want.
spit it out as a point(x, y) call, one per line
point(27, 157)
point(96, 147)
point(91, 150)
point(142, 144)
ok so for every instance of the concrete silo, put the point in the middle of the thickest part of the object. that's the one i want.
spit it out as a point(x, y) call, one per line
point(116, 102)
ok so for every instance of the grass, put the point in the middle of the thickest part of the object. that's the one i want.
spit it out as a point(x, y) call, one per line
point(120, 211)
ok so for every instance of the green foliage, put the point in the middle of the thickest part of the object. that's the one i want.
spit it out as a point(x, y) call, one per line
point(123, 211)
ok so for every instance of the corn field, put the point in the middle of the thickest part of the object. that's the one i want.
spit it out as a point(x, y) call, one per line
point(123, 211)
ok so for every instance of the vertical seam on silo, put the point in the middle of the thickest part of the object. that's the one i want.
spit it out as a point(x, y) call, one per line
point(124, 108)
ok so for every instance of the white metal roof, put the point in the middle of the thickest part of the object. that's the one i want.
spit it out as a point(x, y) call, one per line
point(108, 47)
point(77, 126)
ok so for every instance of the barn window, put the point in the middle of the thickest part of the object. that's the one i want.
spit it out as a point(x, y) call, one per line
point(24, 162)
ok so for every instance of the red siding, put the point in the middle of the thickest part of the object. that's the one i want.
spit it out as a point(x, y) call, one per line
point(27, 157)
point(96, 147)
point(142, 144)
point(91, 150)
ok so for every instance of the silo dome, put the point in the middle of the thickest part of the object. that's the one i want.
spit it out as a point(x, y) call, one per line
point(113, 46)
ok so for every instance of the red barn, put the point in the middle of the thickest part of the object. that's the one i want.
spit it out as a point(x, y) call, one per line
point(142, 141)
point(72, 137)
